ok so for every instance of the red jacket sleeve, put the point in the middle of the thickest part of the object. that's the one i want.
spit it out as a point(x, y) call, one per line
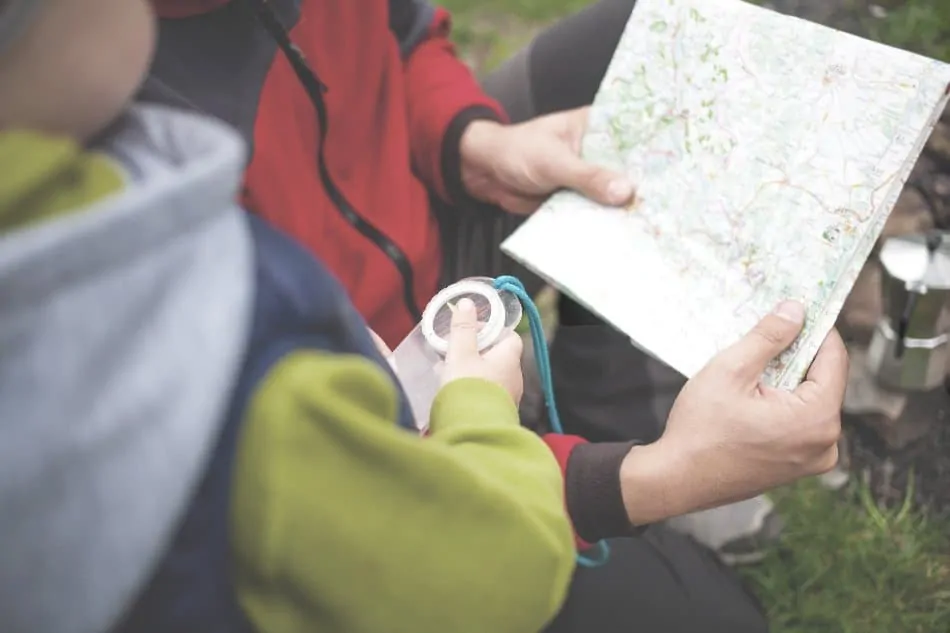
point(592, 490)
point(562, 446)
point(443, 94)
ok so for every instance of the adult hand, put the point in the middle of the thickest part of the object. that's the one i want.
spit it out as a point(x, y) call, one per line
point(500, 365)
point(517, 166)
point(728, 437)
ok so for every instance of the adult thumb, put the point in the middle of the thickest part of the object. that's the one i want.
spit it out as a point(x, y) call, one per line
point(463, 335)
point(769, 338)
point(597, 183)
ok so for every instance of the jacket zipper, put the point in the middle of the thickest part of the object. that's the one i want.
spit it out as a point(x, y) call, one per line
point(315, 90)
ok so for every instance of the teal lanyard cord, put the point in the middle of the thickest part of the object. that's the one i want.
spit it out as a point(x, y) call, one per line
point(600, 552)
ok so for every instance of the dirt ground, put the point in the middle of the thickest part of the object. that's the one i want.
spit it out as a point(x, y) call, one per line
point(889, 471)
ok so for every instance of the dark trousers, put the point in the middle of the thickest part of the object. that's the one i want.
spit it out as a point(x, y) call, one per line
point(661, 582)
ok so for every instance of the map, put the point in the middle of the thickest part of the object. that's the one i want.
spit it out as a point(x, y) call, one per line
point(768, 153)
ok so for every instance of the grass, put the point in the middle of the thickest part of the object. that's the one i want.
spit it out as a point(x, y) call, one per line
point(493, 29)
point(922, 26)
point(844, 565)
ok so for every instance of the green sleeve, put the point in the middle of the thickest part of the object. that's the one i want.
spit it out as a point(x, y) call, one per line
point(344, 522)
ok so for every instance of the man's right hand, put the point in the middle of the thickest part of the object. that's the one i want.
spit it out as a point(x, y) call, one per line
point(728, 437)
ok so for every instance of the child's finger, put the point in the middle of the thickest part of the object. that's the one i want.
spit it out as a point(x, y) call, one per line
point(463, 336)
point(511, 346)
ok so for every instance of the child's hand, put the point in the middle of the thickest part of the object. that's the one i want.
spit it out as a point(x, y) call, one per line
point(500, 365)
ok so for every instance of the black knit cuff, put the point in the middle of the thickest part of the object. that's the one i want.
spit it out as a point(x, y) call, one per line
point(592, 487)
point(452, 158)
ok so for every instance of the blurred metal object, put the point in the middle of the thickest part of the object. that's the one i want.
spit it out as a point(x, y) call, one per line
point(910, 348)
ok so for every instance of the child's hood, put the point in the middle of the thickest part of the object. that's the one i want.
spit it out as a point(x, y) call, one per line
point(122, 327)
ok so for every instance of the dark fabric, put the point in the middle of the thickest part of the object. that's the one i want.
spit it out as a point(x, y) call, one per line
point(592, 491)
point(608, 390)
point(409, 20)
point(471, 237)
point(216, 63)
point(571, 313)
point(298, 305)
point(661, 582)
point(568, 60)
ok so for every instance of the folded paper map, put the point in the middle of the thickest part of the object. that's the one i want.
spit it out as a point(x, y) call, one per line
point(768, 153)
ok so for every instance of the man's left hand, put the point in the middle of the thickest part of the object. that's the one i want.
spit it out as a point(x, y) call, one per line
point(517, 166)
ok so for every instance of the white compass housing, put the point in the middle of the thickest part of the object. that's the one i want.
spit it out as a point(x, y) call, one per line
point(493, 329)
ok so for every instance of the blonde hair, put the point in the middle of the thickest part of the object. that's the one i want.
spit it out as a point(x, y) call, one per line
point(74, 65)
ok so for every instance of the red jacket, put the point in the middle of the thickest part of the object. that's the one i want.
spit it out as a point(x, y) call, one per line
point(352, 128)
point(394, 87)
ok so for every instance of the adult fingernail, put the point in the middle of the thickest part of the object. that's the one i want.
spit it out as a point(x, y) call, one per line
point(465, 306)
point(619, 191)
point(791, 311)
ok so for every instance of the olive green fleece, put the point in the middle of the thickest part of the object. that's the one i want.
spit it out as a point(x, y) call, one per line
point(341, 521)
point(43, 177)
point(344, 522)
